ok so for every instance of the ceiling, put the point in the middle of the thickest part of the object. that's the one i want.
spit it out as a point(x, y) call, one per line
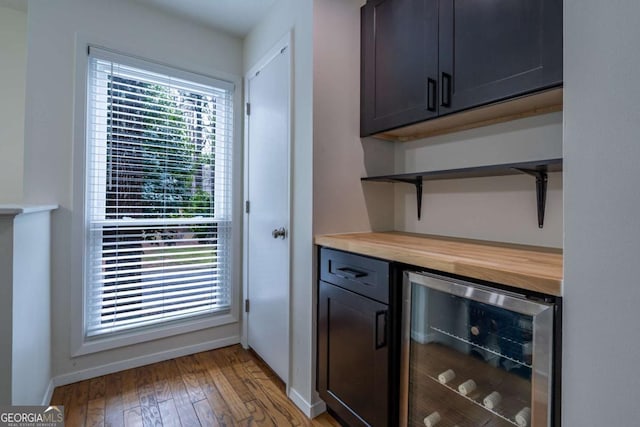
point(237, 17)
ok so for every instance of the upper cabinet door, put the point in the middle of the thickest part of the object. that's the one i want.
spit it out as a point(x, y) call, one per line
point(492, 50)
point(399, 61)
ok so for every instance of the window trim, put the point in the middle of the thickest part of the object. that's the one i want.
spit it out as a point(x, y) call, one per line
point(80, 239)
point(154, 67)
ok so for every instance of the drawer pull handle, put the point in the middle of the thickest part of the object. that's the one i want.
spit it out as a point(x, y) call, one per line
point(381, 329)
point(350, 273)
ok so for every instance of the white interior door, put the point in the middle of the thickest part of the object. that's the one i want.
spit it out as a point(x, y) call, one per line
point(267, 221)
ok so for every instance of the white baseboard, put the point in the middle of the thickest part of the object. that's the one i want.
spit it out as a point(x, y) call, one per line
point(135, 362)
point(318, 408)
point(48, 393)
point(310, 410)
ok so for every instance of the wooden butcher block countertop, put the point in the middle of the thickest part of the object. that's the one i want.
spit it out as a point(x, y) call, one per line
point(527, 267)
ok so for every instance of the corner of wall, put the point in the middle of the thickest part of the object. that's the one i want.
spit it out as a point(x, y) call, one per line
point(311, 410)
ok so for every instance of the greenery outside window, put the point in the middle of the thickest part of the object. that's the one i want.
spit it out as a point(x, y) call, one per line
point(157, 195)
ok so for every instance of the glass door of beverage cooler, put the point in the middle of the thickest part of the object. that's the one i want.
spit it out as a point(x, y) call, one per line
point(474, 356)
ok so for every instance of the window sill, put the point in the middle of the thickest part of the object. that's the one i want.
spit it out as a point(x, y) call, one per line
point(151, 334)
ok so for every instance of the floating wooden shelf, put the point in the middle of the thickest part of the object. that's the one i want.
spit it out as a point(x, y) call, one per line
point(537, 169)
point(544, 102)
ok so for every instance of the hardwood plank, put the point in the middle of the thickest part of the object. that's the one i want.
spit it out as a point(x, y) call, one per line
point(228, 393)
point(67, 400)
point(277, 404)
point(259, 416)
point(526, 267)
point(57, 398)
point(114, 418)
point(129, 390)
point(96, 388)
point(150, 412)
point(190, 378)
point(133, 418)
point(130, 398)
point(147, 395)
point(239, 354)
point(182, 401)
point(95, 413)
point(215, 399)
point(77, 414)
point(163, 391)
point(114, 406)
point(236, 357)
point(169, 414)
point(324, 420)
point(253, 356)
point(232, 370)
point(218, 404)
point(205, 414)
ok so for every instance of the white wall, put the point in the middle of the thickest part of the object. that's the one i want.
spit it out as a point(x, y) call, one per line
point(49, 146)
point(31, 346)
point(6, 311)
point(13, 60)
point(341, 203)
point(296, 16)
point(602, 210)
point(25, 353)
point(494, 208)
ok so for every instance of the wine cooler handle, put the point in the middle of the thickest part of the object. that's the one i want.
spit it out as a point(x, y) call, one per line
point(381, 329)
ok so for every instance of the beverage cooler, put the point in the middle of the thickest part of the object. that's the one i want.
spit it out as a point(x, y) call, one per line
point(474, 355)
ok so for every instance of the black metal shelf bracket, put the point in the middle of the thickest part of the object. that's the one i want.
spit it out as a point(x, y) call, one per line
point(418, 184)
point(536, 168)
point(541, 191)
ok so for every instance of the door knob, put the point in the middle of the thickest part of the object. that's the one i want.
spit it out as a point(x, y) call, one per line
point(279, 232)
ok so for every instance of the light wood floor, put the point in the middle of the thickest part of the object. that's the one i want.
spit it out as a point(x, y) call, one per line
point(224, 387)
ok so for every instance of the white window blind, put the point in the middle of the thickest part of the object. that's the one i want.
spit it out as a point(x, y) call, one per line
point(158, 195)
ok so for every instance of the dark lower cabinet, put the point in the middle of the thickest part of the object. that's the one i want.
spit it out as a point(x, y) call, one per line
point(358, 338)
point(353, 354)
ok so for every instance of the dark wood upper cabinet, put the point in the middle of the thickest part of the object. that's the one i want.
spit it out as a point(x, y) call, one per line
point(399, 63)
point(498, 49)
point(456, 54)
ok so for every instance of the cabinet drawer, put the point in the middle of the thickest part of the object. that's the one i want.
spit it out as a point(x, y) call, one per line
point(363, 275)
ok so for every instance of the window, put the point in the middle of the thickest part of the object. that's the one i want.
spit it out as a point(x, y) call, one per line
point(157, 196)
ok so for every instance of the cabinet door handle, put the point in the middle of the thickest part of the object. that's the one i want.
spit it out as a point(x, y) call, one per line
point(445, 96)
point(351, 273)
point(381, 329)
point(431, 94)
